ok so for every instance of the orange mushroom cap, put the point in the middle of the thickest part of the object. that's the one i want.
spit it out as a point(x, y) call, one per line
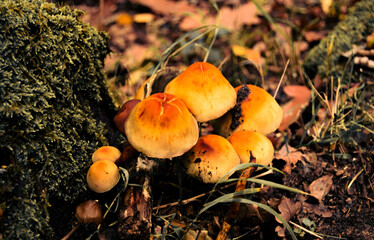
point(106, 152)
point(250, 145)
point(204, 90)
point(102, 176)
point(161, 126)
point(210, 159)
point(258, 112)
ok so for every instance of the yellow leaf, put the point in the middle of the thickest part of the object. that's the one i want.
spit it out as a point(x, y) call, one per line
point(238, 50)
point(143, 17)
point(124, 19)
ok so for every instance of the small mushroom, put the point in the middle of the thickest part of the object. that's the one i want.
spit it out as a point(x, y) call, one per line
point(86, 212)
point(89, 212)
point(123, 113)
point(210, 159)
point(256, 111)
point(106, 152)
point(102, 176)
point(204, 90)
point(250, 145)
point(161, 126)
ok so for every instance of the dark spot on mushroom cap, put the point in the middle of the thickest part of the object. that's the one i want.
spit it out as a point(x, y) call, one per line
point(236, 111)
point(205, 146)
point(197, 160)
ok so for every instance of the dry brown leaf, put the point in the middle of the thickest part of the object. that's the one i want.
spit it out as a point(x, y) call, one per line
point(321, 186)
point(252, 55)
point(311, 36)
point(230, 18)
point(237, 17)
point(197, 235)
point(166, 6)
point(291, 156)
point(280, 231)
point(291, 110)
point(288, 208)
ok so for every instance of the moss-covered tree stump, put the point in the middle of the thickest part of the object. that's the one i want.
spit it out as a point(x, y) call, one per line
point(354, 29)
point(54, 112)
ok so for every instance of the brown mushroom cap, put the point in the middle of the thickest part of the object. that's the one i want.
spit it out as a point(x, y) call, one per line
point(258, 112)
point(204, 90)
point(89, 212)
point(102, 176)
point(161, 126)
point(122, 114)
point(106, 152)
point(210, 159)
point(252, 144)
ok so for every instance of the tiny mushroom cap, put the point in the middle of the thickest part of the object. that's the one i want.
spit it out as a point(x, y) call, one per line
point(210, 159)
point(106, 152)
point(250, 145)
point(122, 114)
point(256, 110)
point(89, 212)
point(204, 90)
point(161, 126)
point(102, 176)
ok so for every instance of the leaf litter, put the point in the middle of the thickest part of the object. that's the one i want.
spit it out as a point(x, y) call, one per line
point(341, 186)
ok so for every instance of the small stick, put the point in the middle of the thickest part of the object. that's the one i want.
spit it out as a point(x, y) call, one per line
point(234, 207)
point(72, 231)
point(281, 79)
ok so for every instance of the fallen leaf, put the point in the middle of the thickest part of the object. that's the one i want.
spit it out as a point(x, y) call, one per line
point(312, 36)
point(280, 231)
point(166, 6)
point(252, 55)
point(230, 18)
point(237, 17)
point(321, 186)
point(291, 156)
point(197, 235)
point(318, 209)
point(291, 110)
point(288, 208)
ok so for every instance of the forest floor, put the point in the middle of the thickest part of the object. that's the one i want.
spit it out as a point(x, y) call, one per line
point(326, 151)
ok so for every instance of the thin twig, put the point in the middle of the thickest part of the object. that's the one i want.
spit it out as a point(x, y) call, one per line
point(185, 201)
point(306, 230)
point(281, 79)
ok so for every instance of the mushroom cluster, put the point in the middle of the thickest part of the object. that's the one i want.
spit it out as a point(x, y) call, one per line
point(104, 174)
point(166, 124)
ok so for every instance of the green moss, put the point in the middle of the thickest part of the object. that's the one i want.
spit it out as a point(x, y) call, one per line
point(53, 103)
point(358, 24)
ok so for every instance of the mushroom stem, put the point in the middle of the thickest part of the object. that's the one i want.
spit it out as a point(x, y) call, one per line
point(234, 207)
point(72, 231)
